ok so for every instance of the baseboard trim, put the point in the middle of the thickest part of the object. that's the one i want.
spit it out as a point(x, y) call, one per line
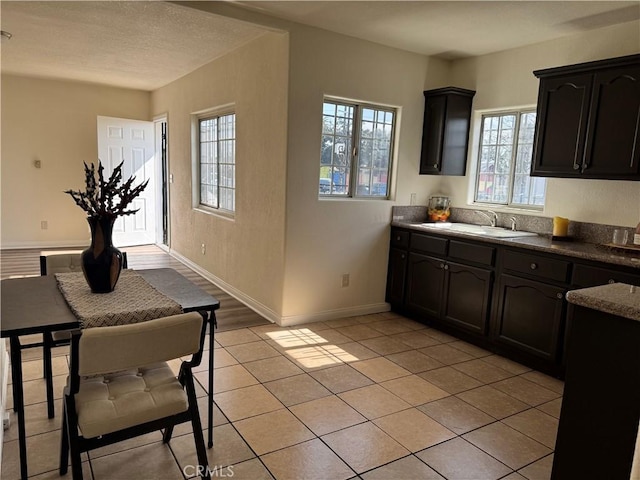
point(254, 305)
point(291, 320)
point(272, 316)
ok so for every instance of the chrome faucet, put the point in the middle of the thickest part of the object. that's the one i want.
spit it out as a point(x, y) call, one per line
point(514, 225)
point(492, 219)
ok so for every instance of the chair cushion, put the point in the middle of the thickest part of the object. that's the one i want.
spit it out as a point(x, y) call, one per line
point(120, 400)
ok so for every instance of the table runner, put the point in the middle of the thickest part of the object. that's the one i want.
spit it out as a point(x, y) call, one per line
point(133, 300)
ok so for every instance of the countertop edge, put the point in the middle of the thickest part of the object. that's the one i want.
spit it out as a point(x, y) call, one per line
point(618, 299)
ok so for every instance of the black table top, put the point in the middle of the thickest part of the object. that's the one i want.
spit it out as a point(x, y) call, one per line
point(35, 304)
point(180, 289)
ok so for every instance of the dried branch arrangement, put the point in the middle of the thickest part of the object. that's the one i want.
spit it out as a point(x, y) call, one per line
point(106, 198)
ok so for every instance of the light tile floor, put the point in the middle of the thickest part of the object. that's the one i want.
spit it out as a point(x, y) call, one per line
point(369, 397)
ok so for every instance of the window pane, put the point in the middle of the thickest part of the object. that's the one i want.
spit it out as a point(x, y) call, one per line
point(530, 190)
point(374, 154)
point(217, 161)
point(336, 148)
point(504, 163)
point(340, 181)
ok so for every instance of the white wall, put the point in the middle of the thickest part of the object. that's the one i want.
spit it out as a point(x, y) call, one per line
point(54, 122)
point(505, 79)
point(328, 238)
point(244, 254)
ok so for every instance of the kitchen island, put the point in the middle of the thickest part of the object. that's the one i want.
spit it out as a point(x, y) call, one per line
point(598, 427)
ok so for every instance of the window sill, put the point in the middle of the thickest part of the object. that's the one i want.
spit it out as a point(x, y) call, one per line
point(224, 214)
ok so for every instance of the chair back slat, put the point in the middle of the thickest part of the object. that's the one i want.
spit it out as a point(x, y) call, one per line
point(66, 262)
point(123, 347)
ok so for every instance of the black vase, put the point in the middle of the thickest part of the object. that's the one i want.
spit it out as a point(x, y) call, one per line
point(101, 262)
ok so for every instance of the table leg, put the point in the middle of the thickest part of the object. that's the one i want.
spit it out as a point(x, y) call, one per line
point(18, 402)
point(48, 372)
point(212, 326)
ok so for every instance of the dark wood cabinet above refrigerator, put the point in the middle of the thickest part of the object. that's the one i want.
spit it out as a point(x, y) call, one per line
point(445, 131)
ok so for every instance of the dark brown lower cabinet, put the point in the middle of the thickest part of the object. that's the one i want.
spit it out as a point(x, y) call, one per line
point(450, 293)
point(505, 299)
point(466, 297)
point(425, 284)
point(529, 316)
point(396, 275)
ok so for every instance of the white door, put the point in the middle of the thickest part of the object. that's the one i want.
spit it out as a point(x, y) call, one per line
point(132, 141)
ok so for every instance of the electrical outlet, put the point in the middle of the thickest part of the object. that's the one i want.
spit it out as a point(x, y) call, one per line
point(345, 280)
point(413, 199)
point(204, 249)
point(44, 225)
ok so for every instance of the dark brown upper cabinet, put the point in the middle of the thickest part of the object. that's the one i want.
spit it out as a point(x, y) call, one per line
point(588, 122)
point(445, 131)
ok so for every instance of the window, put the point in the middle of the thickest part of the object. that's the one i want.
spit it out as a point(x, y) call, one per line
point(217, 154)
point(357, 148)
point(504, 161)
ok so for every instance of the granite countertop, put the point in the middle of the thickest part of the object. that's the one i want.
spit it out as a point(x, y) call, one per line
point(541, 243)
point(618, 299)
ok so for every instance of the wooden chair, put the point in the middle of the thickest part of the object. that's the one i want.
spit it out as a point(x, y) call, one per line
point(120, 386)
point(51, 263)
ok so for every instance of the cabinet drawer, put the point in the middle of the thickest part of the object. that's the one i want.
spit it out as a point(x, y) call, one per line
point(469, 252)
point(586, 276)
point(536, 266)
point(428, 244)
point(400, 239)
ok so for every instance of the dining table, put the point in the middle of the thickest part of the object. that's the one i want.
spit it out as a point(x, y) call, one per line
point(36, 305)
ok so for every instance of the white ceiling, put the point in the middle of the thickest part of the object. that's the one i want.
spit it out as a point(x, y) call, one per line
point(454, 29)
point(147, 44)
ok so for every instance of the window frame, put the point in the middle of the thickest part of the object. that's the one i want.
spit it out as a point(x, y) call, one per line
point(518, 112)
point(197, 118)
point(356, 136)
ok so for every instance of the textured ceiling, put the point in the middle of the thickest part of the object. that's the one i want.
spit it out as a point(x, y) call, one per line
point(147, 44)
point(138, 44)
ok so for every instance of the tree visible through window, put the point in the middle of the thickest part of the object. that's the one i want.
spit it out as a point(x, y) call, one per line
point(357, 148)
point(504, 163)
point(217, 143)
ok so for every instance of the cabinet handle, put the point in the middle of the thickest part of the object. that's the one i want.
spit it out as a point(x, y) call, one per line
point(403, 256)
point(611, 280)
point(435, 165)
point(398, 238)
point(559, 295)
point(446, 267)
point(534, 266)
point(442, 265)
point(576, 166)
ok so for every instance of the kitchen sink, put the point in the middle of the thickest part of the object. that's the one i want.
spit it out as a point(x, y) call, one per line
point(480, 230)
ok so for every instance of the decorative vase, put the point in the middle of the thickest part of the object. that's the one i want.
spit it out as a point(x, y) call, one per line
point(101, 262)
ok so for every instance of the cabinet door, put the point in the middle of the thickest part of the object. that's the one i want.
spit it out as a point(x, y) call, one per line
point(425, 281)
point(561, 125)
point(612, 144)
point(466, 298)
point(396, 276)
point(433, 134)
point(529, 316)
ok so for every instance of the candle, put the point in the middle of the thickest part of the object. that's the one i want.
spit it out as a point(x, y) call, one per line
point(560, 226)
